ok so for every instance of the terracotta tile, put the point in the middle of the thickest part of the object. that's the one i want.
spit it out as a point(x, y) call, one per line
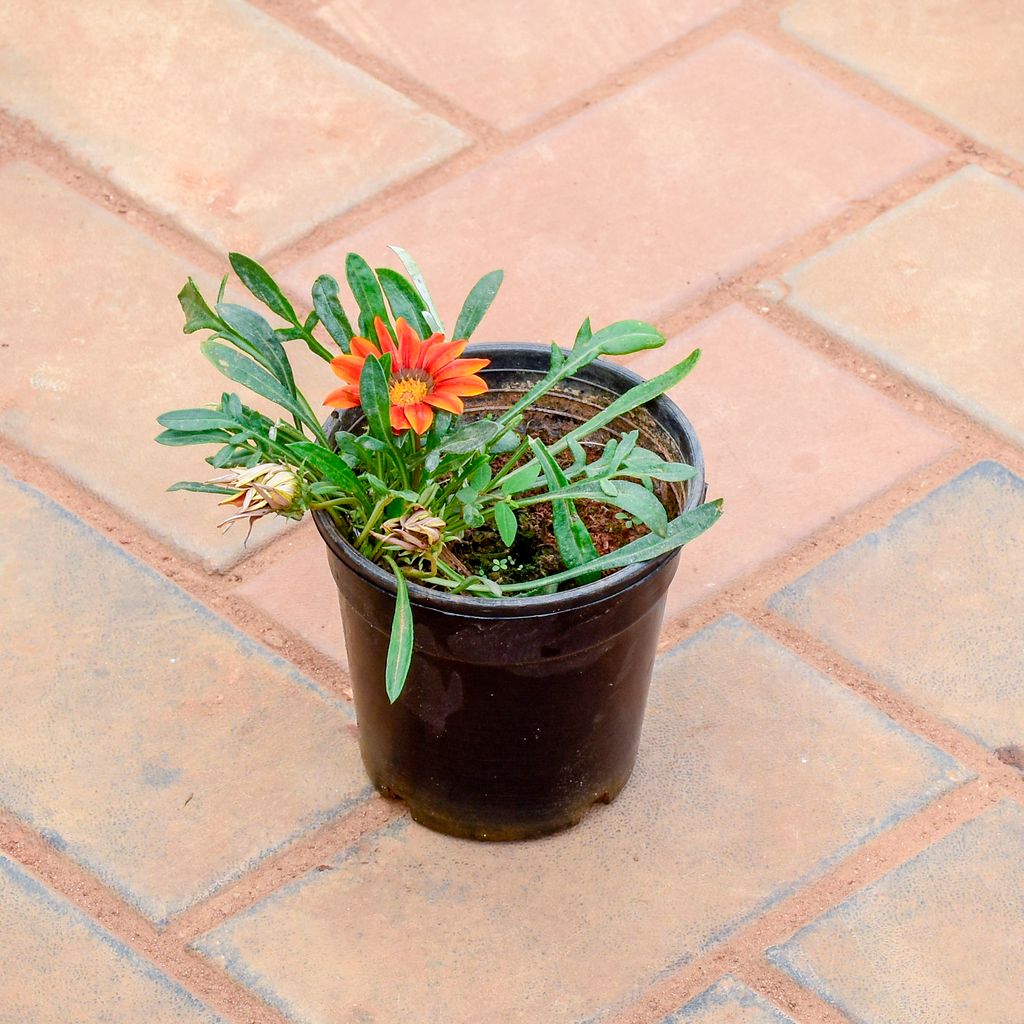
point(936, 940)
point(789, 440)
point(93, 352)
point(299, 592)
point(932, 604)
point(220, 116)
point(935, 288)
point(756, 772)
point(728, 1002)
point(508, 65)
point(154, 744)
point(647, 198)
point(58, 966)
point(958, 59)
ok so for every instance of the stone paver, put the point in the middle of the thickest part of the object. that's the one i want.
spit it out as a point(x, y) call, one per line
point(93, 352)
point(937, 940)
point(57, 966)
point(299, 591)
point(648, 198)
point(935, 288)
point(959, 59)
point(756, 772)
point(821, 443)
point(728, 1002)
point(219, 116)
point(506, 64)
point(932, 604)
point(141, 735)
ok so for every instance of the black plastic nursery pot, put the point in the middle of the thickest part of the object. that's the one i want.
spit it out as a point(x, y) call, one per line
point(518, 714)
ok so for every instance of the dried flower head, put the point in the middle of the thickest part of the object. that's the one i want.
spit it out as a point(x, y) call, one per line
point(417, 532)
point(269, 488)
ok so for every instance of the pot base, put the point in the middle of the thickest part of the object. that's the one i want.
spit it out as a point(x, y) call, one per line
point(499, 832)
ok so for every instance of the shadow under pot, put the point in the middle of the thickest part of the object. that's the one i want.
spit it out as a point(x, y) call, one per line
point(518, 714)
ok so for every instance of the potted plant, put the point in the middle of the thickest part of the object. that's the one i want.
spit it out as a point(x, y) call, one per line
point(502, 523)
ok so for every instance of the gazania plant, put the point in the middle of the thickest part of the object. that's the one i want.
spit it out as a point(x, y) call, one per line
point(419, 483)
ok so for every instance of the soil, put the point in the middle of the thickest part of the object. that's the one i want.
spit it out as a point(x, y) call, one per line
point(534, 552)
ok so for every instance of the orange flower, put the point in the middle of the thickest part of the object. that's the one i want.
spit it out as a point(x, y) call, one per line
point(425, 375)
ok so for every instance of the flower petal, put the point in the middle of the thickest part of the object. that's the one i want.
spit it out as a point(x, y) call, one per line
point(343, 398)
point(461, 368)
point(443, 353)
point(471, 385)
point(399, 422)
point(420, 417)
point(409, 344)
point(348, 367)
point(444, 400)
point(363, 348)
point(386, 342)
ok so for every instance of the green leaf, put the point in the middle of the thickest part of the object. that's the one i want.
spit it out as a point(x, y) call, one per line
point(328, 307)
point(179, 438)
point(634, 499)
point(632, 399)
point(481, 476)
point(196, 419)
point(414, 272)
point(198, 315)
point(262, 285)
point(329, 464)
point(575, 544)
point(584, 334)
point(404, 300)
point(375, 400)
point(470, 437)
point(508, 525)
point(251, 375)
point(472, 516)
point(622, 338)
point(264, 344)
point(681, 530)
point(196, 485)
point(523, 479)
point(644, 463)
point(400, 646)
point(368, 295)
point(477, 303)
point(557, 359)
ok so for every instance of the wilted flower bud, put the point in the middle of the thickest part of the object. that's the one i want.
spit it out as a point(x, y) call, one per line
point(264, 489)
point(417, 532)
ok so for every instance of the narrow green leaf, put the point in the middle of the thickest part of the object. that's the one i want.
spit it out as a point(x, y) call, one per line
point(179, 438)
point(198, 315)
point(470, 437)
point(251, 375)
point(366, 290)
point(523, 479)
point(414, 272)
point(508, 525)
point(645, 463)
point(584, 334)
point(681, 530)
point(575, 544)
point(404, 300)
point(222, 289)
point(400, 646)
point(481, 476)
point(624, 337)
point(477, 303)
point(328, 307)
point(262, 285)
point(331, 465)
point(196, 419)
point(632, 399)
point(264, 345)
point(196, 485)
point(557, 359)
point(375, 400)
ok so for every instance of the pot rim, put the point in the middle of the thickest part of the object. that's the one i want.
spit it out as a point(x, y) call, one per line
point(600, 372)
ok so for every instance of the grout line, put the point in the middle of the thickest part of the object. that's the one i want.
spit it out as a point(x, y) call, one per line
point(742, 954)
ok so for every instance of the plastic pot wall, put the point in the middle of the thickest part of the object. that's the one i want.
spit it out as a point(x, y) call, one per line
point(518, 713)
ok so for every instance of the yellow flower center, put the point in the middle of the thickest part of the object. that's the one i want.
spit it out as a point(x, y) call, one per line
point(408, 390)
